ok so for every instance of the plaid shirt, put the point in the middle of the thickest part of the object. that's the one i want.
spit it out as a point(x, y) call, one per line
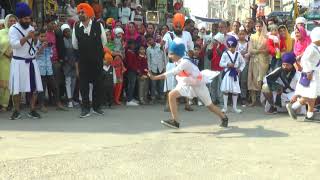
point(44, 60)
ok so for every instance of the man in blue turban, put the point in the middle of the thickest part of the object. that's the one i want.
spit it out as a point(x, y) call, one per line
point(190, 84)
point(279, 85)
point(25, 75)
point(23, 12)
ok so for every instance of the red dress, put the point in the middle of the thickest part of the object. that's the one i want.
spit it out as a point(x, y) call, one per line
point(119, 69)
point(216, 57)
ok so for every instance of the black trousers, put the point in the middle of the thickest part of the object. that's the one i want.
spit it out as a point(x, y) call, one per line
point(107, 91)
point(97, 81)
point(49, 82)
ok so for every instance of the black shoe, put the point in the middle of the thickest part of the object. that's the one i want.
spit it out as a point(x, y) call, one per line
point(85, 113)
point(272, 110)
point(15, 115)
point(291, 112)
point(33, 114)
point(311, 119)
point(224, 122)
point(171, 123)
point(98, 112)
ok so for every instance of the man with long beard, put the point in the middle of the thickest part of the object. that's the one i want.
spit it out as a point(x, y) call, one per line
point(24, 71)
point(89, 38)
point(178, 25)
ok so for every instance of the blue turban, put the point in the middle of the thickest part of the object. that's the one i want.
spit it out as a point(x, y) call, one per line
point(22, 10)
point(232, 42)
point(289, 58)
point(177, 47)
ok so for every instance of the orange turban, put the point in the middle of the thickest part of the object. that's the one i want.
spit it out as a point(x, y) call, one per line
point(178, 18)
point(88, 10)
point(108, 55)
point(109, 21)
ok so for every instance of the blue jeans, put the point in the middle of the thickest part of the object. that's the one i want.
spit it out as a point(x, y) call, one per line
point(132, 78)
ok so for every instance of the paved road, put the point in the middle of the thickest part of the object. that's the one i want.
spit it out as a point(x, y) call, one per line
point(130, 143)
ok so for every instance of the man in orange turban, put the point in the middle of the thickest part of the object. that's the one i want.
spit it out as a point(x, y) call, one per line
point(89, 38)
point(178, 19)
point(85, 9)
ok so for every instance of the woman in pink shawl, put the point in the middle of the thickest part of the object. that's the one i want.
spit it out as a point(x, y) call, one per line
point(132, 33)
point(302, 41)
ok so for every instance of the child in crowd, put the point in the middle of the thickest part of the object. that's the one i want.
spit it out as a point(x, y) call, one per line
point(158, 36)
point(119, 70)
point(108, 78)
point(275, 47)
point(117, 63)
point(143, 79)
point(70, 64)
point(110, 43)
point(197, 60)
point(43, 57)
point(132, 71)
point(243, 49)
point(233, 63)
point(118, 41)
point(156, 65)
point(218, 49)
point(200, 52)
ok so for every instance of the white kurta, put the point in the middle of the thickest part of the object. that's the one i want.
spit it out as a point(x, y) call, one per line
point(19, 70)
point(190, 86)
point(228, 84)
point(170, 83)
point(309, 61)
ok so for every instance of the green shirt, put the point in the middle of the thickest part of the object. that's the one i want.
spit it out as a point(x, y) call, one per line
point(110, 45)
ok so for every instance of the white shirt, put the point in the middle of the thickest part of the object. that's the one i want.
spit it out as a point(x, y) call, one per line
point(310, 58)
point(87, 31)
point(225, 59)
point(156, 61)
point(124, 14)
point(15, 37)
point(188, 67)
point(184, 65)
point(186, 38)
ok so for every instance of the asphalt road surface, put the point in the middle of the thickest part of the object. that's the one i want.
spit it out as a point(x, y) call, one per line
point(130, 143)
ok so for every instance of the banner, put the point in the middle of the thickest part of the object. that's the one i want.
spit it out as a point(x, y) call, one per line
point(50, 7)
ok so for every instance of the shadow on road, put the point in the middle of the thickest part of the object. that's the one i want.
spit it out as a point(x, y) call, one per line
point(236, 132)
point(136, 120)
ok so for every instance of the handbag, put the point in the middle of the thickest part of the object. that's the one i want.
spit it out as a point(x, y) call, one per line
point(304, 81)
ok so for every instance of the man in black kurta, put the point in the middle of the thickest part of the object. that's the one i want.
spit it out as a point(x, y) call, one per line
point(89, 38)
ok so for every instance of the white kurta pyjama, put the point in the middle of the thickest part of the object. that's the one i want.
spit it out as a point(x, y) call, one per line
point(228, 84)
point(19, 70)
point(190, 86)
point(309, 61)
